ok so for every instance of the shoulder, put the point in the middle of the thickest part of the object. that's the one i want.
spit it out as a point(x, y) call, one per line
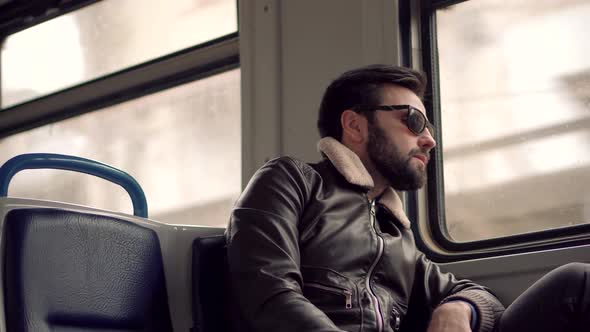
point(280, 187)
point(288, 166)
point(282, 171)
point(288, 162)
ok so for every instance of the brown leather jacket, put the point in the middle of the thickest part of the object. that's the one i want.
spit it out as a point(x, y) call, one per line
point(309, 252)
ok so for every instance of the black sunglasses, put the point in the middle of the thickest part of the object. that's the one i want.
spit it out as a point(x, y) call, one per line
point(415, 121)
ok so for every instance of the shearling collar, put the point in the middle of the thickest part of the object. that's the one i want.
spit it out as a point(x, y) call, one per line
point(351, 167)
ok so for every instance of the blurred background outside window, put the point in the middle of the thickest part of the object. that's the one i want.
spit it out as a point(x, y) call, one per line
point(515, 99)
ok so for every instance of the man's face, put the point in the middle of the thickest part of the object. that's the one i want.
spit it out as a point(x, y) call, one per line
point(398, 154)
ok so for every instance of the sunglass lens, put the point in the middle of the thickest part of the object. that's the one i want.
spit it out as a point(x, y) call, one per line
point(416, 122)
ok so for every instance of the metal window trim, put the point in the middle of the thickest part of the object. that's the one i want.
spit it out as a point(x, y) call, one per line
point(187, 65)
point(438, 4)
point(23, 15)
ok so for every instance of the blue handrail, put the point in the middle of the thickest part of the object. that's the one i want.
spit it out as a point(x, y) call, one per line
point(77, 164)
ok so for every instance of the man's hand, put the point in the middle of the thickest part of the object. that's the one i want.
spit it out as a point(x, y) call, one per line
point(451, 317)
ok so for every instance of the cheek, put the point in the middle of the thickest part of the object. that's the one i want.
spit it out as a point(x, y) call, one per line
point(402, 146)
point(394, 139)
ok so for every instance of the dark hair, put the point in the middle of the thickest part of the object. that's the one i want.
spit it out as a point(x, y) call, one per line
point(362, 86)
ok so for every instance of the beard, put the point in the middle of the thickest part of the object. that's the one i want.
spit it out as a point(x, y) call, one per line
point(394, 167)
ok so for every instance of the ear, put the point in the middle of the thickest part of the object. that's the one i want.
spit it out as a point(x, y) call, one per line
point(354, 126)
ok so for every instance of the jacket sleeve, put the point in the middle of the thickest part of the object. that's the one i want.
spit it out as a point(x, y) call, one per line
point(433, 287)
point(263, 251)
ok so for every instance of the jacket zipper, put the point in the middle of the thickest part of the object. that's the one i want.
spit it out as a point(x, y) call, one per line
point(398, 320)
point(372, 268)
point(347, 293)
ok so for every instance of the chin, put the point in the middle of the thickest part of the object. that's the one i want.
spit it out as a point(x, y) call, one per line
point(409, 183)
point(408, 186)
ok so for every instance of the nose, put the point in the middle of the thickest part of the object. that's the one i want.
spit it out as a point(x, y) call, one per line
point(426, 141)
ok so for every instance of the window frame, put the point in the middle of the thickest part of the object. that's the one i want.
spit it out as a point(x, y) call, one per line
point(433, 238)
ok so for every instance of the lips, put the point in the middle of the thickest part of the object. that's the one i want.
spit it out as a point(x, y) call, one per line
point(422, 157)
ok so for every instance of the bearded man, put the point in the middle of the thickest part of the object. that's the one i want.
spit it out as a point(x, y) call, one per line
point(327, 247)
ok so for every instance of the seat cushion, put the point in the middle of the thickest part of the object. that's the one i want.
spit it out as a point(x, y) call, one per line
point(69, 271)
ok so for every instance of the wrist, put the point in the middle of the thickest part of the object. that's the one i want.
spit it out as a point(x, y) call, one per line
point(456, 307)
point(459, 308)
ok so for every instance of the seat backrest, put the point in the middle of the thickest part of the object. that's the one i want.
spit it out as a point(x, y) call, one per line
point(72, 271)
point(210, 285)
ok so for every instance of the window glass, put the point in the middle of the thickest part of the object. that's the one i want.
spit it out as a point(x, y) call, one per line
point(515, 105)
point(182, 145)
point(105, 37)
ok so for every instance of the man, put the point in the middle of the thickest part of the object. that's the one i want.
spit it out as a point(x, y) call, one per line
point(327, 247)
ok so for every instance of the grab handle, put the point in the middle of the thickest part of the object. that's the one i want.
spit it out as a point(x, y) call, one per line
point(77, 164)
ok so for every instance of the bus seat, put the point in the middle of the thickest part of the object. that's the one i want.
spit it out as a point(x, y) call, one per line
point(211, 307)
point(70, 271)
point(72, 268)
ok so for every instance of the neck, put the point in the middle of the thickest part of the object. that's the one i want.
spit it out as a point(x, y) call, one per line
point(380, 183)
point(379, 188)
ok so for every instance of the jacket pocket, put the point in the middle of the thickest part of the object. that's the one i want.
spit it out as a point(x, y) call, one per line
point(345, 293)
point(334, 294)
point(328, 289)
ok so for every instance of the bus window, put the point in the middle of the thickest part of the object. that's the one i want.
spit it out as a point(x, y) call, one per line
point(514, 81)
point(103, 38)
point(183, 145)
